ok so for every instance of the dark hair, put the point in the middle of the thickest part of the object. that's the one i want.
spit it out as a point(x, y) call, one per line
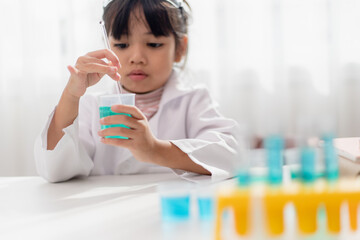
point(164, 17)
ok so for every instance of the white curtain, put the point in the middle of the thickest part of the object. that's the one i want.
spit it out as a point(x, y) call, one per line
point(281, 66)
point(285, 66)
point(38, 39)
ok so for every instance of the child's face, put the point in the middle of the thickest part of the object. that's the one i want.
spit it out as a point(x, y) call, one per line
point(146, 60)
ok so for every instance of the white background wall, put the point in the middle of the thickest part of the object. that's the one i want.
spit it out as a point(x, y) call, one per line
point(274, 65)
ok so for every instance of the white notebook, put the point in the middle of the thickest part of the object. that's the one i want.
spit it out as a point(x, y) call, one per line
point(348, 148)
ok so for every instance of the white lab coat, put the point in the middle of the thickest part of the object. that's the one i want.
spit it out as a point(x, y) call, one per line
point(186, 116)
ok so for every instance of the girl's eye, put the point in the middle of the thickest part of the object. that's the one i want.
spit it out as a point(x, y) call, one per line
point(121, 45)
point(155, 45)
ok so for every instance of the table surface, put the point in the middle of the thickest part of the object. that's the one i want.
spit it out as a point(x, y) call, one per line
point(97, 207)
point(102, 207)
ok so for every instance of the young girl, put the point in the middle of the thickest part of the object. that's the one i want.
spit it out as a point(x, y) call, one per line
point(172, 128)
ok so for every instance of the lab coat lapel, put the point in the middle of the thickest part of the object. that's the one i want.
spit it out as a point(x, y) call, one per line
point(173, 89)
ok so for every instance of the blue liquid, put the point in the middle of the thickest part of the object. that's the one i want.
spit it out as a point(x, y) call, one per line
point(308, 165)
point(274, 147)
point(175, 208)
point(206, 208)
point(298, 175)
point(243, 178)
point(331, 159)
point(106, 111)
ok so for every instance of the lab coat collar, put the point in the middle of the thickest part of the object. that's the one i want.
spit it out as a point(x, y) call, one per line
point(174, 88)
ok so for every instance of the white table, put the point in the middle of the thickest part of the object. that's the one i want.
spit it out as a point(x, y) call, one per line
point(104, 207)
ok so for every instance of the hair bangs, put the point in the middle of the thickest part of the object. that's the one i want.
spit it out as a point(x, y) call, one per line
point(156, 17)
point(118, 18)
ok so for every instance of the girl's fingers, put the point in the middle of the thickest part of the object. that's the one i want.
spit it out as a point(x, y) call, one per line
point(106, 53)
point(117, 131)
point(117, 142)
point(87, 59)
point(89, 64)
point(96, 68)
point(72, 70)
point(120, 119)
point(99, 68)
point(132, 110)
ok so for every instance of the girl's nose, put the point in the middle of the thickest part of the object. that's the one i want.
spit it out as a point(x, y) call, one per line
point(137, 56)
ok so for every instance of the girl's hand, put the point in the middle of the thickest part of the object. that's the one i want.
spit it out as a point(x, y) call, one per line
point(141, 141)
point(142, 144)
point(89, 69)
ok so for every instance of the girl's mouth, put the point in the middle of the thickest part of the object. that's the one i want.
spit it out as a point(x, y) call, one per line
point(137, 75)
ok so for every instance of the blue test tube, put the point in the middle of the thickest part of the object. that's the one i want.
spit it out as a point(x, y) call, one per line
point(330, 158)
point(175, 208)
point(175, 201)
point(243, 178)
point(307, 159)
point(206, 201)
point(206, 208)
point(274, 146)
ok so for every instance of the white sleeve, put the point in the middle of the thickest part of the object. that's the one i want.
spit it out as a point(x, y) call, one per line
point(213, 140)
point(70, 158)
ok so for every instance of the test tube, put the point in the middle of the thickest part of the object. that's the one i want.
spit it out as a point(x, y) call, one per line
point(205, 196)
point(330, 157)
point(243, 175)
point(307, 158)
point(274, 145)
point(107, 45)
point(175, 200)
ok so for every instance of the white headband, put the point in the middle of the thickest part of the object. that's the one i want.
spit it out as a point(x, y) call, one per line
point(106, 2)
point(175, 3)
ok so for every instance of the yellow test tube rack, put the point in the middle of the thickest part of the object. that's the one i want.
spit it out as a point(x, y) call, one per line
point(307, 199)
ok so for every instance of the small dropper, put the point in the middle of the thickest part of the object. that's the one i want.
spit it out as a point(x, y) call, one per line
point(107, 44)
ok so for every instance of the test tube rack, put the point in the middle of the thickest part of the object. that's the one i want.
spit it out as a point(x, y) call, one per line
point(306, 199)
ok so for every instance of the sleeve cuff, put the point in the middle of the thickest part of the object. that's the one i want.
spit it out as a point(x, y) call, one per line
point(71, 129)
point(67, 160)
point(217, 174)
